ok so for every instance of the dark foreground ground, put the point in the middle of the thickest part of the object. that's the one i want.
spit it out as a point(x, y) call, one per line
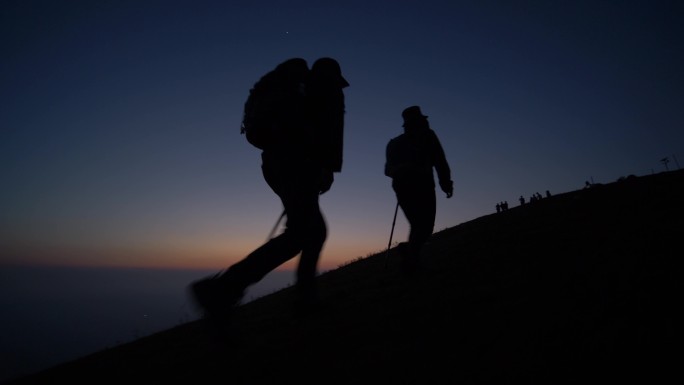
point(577, 288)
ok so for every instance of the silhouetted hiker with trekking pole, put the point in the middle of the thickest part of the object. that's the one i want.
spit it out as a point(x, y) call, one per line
point(410, 160)
point(301, 138)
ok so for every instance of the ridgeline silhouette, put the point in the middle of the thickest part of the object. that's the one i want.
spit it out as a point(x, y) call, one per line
point(579, 287)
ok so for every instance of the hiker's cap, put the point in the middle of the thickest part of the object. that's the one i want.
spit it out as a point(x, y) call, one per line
point(331, 66)
point(412, 114)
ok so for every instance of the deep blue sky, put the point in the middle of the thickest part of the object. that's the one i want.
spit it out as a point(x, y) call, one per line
point(120, 144)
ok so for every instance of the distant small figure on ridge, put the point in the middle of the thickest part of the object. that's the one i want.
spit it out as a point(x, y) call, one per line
point(501, 206)
point(301, 141)
point(410, 159)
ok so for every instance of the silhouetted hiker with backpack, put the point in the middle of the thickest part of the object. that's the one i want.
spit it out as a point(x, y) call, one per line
point(410, 159)
point(298, 163)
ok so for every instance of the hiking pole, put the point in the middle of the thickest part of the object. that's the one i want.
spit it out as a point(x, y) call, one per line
point(396, 209)
point(280, 218)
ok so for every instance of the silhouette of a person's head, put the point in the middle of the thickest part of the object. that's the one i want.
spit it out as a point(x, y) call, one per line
point(327, 71)
point(414, 119)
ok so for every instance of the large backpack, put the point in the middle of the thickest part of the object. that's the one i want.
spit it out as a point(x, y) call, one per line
point(269, 107)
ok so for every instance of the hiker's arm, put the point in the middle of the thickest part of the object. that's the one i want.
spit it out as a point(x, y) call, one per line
point(392, 165)
point(388, 167)
point(442, 167)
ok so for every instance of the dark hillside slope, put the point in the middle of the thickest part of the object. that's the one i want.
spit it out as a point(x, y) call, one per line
point(576, 288)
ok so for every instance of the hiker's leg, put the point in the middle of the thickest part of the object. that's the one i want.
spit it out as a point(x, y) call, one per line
point(410, 202)
point(314, 239)
point(418, 204)
point(423, 218)
point(307, 223)
point(282, 248)
point(262, 261)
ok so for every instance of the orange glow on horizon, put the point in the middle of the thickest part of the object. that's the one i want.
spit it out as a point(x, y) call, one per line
point(214, 258)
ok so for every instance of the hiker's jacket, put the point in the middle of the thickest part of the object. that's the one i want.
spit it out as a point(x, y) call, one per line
point(411, 157)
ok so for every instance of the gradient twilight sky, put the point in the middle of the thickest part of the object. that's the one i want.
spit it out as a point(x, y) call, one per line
point(119, 120)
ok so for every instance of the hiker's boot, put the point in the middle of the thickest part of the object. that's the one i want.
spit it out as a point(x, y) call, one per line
point(216, 298)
